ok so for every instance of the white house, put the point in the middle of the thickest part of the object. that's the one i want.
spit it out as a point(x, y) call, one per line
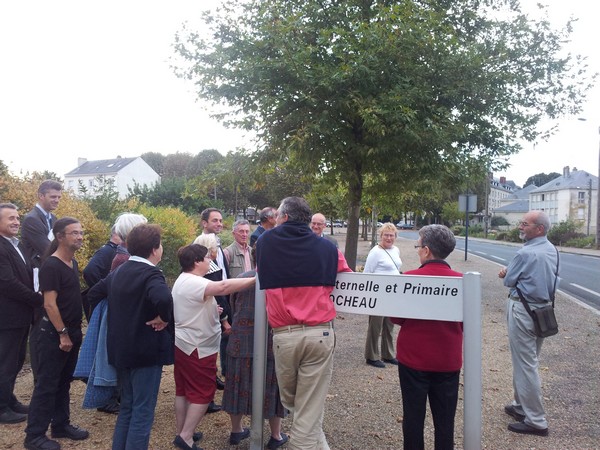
point(500, 189)
point(515, 205)
point(573, 196)
point(125, 173)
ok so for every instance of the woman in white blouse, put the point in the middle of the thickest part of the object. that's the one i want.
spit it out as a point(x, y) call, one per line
point(383, 258)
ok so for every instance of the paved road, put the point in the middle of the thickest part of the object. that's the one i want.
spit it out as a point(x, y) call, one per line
point(579, 272)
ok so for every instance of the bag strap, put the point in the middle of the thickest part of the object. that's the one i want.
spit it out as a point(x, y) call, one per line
point(526, 303)
point(393, 262)
point(555, 276)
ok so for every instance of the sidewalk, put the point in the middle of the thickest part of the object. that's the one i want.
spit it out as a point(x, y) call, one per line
point(569, 363)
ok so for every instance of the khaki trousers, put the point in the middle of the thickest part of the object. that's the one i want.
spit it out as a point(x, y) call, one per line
point(380, 326)
point(304, 365)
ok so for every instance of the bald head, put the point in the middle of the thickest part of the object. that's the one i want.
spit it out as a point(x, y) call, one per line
point(317, 224)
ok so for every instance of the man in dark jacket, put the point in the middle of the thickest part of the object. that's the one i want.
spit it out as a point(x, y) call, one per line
point(17, 303)
point(36, 232)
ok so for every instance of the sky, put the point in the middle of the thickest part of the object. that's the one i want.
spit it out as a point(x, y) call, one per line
point(93, 80)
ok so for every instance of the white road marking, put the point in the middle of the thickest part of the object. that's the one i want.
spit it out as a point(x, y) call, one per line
point(585, 289)
point(498, 258)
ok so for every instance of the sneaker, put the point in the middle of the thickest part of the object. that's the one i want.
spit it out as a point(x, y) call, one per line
point(41, 443)
point(236, 438)
point(276, 443)
point(72, 432)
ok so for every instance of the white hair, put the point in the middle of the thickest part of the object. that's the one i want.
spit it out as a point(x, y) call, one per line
point(125, 223)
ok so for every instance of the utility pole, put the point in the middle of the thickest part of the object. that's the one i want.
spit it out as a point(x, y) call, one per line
point(598, 198)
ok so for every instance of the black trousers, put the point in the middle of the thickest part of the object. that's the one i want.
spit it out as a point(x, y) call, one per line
point(50, 400)
point(13, 348)
point(441, 388)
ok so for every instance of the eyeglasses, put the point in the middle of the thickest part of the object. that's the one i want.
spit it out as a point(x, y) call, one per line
point(525, 224)
point(317, 224)
point(76, 233)
point(420, 246)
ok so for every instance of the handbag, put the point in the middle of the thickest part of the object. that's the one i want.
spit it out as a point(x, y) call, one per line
point(544, 319)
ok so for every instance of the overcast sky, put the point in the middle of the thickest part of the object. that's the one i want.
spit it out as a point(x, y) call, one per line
point(92, 79)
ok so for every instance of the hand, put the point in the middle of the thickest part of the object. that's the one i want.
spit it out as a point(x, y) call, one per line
point(65, 343)
point(220, 310)
point(502, 273)
point(157, 323)
point(226, 328)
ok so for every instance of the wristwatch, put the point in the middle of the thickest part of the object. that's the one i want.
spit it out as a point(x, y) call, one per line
point(65, 330)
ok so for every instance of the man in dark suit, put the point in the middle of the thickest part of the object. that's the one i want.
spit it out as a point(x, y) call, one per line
point(37, 224)
point(17, 303)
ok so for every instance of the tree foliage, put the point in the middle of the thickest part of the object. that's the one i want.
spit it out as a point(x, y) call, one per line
point(404, 88)
point(539, 179)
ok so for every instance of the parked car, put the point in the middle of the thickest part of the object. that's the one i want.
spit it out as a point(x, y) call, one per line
point(404, 226)
point(379, 224)
point(338, 224)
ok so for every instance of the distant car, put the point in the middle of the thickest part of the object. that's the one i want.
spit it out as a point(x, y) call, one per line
point(338, 224)
point(379, 224)
point(404, 226)
point(328, 224)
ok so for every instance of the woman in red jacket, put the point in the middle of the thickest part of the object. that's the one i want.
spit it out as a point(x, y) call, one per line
point(429, 353)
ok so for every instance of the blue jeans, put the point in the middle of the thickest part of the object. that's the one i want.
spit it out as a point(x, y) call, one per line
point(139, 392)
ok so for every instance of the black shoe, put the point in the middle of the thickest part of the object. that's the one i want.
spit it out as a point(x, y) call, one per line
point(276, 443)
point(377, 363)
point(180, 443)
point(10, 416)
point(523, 428)
point(220, 384)
point(111, 407)
point(511, 411)
point(20, 408)
point(213, 408)
point(236, 438)
point(41, 443)
point(72, 432)
point(197, 436)
point(393, 361)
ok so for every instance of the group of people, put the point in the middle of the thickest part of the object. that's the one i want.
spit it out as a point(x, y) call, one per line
point(148, 325)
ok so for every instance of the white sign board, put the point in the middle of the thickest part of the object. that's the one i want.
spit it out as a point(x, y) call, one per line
point(409, 296)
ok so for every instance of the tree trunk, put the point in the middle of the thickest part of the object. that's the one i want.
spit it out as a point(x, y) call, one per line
point(355, 193)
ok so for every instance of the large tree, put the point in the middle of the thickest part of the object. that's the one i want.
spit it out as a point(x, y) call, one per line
point(404, 88)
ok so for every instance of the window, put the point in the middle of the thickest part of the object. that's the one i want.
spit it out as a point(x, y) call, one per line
point(581, 197)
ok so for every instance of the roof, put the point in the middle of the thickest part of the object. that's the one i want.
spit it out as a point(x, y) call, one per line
point(518, 206)
point(575, 179)
point(101, 167)
point(524, 193)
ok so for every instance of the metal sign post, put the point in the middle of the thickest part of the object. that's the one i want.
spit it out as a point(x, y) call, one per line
point(417, 297)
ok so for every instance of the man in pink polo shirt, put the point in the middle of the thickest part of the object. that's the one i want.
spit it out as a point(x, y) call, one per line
point(298, 271)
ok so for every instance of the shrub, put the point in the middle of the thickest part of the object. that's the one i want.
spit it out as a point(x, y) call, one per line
point(581, 242)
point(563, 232)
point(498, 221)
point(178, 230)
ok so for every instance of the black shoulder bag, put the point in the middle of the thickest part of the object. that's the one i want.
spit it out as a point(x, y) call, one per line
point(544, 319)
